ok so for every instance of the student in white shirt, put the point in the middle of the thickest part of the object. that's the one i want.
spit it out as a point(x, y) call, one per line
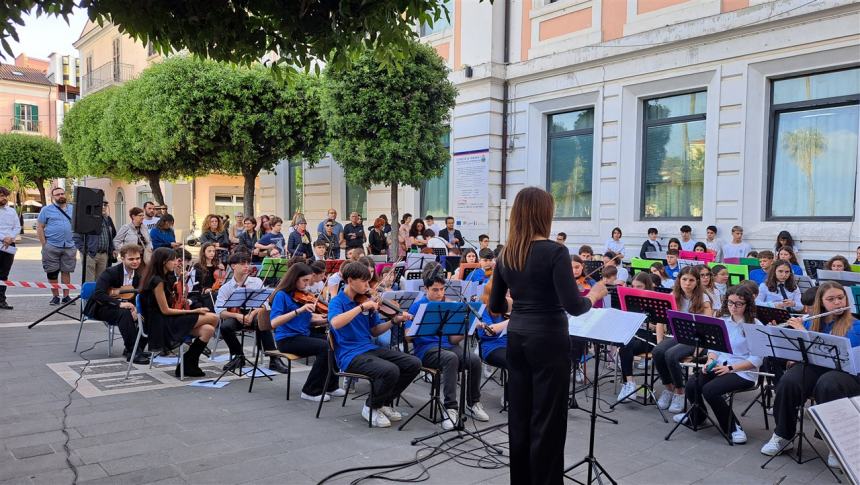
point(615, 244)
point(780, 289)
point(713, 244)
point(725, 373)
point(737, 248)
point(687, 242)
point(10, 227)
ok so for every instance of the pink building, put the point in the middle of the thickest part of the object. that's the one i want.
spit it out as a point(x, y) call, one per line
point(28, 99)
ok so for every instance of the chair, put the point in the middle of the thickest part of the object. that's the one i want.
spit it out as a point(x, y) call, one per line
point(765, 387)
point(264, 323)
point(87, 291)
point(333, 365)
point(142, 333)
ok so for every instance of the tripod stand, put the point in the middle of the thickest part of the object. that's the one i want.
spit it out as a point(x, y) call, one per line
point(572, 402)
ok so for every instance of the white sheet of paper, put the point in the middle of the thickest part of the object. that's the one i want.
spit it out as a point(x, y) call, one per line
point(839, 423)
point(165, 360)
point(8, 249)
point(606, 325)
point(416, 320)
point(210, 383)
point(767, 341)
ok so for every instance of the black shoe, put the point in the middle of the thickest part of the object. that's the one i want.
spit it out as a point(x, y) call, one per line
point(191, 360)
point(66, 299)
point(233, 364)
point(54, 301)
point(5, 306)
point(139, 359)
point(277, 365)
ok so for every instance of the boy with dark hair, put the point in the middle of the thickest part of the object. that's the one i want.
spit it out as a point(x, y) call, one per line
point(353, 327)
point(483, 242)
point(586, 253)
point(672, 267)
point(652, 244)
point(765, 260)
point(482, 275)
point(561, 238)
point(687, 242)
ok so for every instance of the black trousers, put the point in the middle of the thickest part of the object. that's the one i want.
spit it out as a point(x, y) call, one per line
point(498, 358)
point(121, 317)
point(577, 350)
point(538, 375)
point(667, 360)
point(229, 328)
point(713, 388)
point(796, 386)
point(6, 261)
point(634, 348)
point(392, 371)
point(304, 346)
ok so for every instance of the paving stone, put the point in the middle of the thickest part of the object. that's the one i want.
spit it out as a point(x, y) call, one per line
point(31, 451)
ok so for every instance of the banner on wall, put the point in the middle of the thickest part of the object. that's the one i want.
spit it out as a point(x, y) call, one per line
point(471, 193)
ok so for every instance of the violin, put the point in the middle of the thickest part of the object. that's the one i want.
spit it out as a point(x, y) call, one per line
point(124, 293)
point(387, 309)
point(220, 278)
point(303, 298)
point(488, 273)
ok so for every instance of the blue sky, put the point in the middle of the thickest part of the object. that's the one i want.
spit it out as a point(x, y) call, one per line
point(43, 35)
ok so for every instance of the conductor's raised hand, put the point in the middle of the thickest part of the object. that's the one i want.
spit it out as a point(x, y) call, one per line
point(597, 292)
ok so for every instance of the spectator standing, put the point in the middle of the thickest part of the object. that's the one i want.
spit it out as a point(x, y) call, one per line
point(353, 235)
point(162, 234)
point(378, 243)
point(431, 224)
point(58, 244)
point(403, 234)
point(299, 241)
point(134, 233)
point(337, 227)
point(151, 218)
point(10, 227)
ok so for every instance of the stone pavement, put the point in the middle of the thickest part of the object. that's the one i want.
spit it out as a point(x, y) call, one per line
point(178, 434)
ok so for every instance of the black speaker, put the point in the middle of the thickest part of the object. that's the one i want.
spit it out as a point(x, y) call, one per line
point(87, 218)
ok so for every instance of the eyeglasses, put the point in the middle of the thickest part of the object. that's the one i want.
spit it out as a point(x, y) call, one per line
point(736, 304)
point(329, 225)
point(704, 274)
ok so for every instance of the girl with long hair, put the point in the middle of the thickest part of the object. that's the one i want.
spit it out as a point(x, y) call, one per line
point(417, 241)
point(583, 282)
point(802, 381)
point(469, 256)
point(691, 298)
point(215, 232)
point(538, 274)
point(169, 326)
point(292, 322)
point(786, 253)
point(660, 270)
point(204, 275)
point(780, 289)
point(706, 278)
point(403, 233)
point(726, 372)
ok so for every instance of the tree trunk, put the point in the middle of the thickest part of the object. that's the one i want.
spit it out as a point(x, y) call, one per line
point(395, 225)
point(248, 193)
point(40, 184)
point(154, 180)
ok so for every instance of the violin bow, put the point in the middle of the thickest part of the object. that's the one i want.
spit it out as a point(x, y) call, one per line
point(600, 267)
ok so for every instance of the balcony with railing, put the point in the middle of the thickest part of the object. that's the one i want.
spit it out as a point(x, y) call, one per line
point(108, 74)
point(25, 125)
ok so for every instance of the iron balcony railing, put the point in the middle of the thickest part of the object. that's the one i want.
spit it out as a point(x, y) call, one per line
point(23, 124)
point(106, 75)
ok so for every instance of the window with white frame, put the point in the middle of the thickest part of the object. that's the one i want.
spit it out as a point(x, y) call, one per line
point(673, 157)
point(434, 192)
point(812, 160)
point(570, 154)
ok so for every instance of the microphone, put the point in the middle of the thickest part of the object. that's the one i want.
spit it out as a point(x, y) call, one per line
point(468, 242)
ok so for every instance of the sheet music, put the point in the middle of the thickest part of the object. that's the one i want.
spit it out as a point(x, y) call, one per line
point(478, 308)
point(766, 341)
point(839, 424)
point(688, 262)
point(605, 325)
point(416, 320)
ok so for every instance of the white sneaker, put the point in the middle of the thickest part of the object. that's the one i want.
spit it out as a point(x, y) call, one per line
point(580, 377)
point(450, 420)
point(738, 435)
point(832, 462)
point(677, 403)
point(681, 418)
point(627, 393)
point(665, 399)
point(324, 397)
point(391, 413)
point(339, 392)
point(379, 419)
point(772, 447)
point(477, 411)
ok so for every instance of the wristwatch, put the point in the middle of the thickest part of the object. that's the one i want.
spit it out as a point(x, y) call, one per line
point(731, 369)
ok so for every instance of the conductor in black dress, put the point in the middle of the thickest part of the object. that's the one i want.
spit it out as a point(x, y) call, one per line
point(538, 273)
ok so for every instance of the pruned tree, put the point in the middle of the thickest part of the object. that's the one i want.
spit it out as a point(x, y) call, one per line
point(37, 158)
point(386, 123)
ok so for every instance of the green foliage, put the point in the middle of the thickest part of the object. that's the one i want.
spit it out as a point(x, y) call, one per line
point(34, 159)
point(243, 31)
point(386, 124)
point(81, 136)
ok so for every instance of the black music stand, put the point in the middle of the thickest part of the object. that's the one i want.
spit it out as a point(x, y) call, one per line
point(272, 269)
point(609, 329)
point(405, 299)
point(247, 299)
point(799, 346)
point(813, 265)
point(593, 268)
point(418, 260)
point(768, 315)
point(701, 332)
point(438, 318)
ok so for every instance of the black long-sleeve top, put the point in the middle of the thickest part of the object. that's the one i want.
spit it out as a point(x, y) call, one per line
point(544, 288)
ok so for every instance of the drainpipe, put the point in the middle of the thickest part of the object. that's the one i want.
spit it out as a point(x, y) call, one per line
point(505, 94)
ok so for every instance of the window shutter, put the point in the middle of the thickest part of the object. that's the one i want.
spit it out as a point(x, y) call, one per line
point(16, 121)
point(34, 114)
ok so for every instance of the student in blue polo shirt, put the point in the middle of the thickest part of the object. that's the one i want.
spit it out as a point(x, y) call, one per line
point(482, 275)
point(353, 327)
point(447, 358)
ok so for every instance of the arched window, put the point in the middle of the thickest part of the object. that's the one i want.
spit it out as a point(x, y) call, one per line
point(119, 205)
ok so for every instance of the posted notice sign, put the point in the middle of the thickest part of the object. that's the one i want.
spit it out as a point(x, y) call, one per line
point(471, 192)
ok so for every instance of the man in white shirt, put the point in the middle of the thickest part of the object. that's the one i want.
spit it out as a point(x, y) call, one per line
point(737, 248)
point(233, 320)
point(10, 227)
point(687, 242)
point(151, 218)
point(430, 223)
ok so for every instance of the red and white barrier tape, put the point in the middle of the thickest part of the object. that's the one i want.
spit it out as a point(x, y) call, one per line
point(40, 284)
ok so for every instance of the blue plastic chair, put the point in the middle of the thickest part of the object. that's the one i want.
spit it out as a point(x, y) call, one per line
point(87, 292)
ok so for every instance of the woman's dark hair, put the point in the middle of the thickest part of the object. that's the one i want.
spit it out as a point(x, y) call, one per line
point(746, 295)
point(616, 229)
point(789, 241)
point(432, 273)
point(646, 279)
point(770, 281)
point(530, 218)
point(318, 267)
point(288, 282)
point(414, 231)
point(405, 216)
point(789, 250)
point(838, 257)
point(135, 211)
point(661, 270)
point(750, 285)
point(697, 301)
point(251, 220)
point(356, 271)
point(164, 221)
point(202, 264)
point(656, 281)
point(156, 268)
point(700, 244)
point(676, 241)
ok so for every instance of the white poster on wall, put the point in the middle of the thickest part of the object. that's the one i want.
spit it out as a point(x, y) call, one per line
point(471, 195)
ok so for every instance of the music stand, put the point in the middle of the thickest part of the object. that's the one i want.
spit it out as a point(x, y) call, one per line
point(808, 348)
point(767, 315)
point(467, 268)
point(246, 299)
point(416, 261)
point(593, 268)
point(272, 269)
point(845, 278)
point(701, 332)
point(332, 266)
point(450, 262)
point(658, 255)
point(601, 326)
point(439, 318)
point(399, 271)
point(812, 266)
point(405, 299)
